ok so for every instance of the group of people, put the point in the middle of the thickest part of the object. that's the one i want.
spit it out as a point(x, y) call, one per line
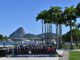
point(32, 49)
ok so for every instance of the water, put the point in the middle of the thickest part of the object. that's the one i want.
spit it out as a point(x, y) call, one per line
point(6, 43)
point(19, 42)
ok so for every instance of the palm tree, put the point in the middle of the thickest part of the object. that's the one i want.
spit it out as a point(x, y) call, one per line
point(43, 15)
point(78, 15)
point(40, 17)
point(42, 28)
point(78, 10)
point(61, 22)
point(77, 28)
point(70, 16)
point(55, 16)
point(52, 16)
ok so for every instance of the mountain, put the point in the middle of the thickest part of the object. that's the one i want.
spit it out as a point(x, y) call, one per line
point(43, 35)
point(29, 36)
point(38, 36)
point(19, 33)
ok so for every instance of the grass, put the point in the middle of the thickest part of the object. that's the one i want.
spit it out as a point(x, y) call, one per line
point(74, 55)
point(68, 47)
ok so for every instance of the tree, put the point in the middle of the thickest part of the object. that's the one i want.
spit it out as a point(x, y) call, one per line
point(70, 17)
point(43, 15)
point(78, 10)
point(77, 28)
point(61, 22)
point(76, 33)
point(55, 15)
point(2, 38)
point(78, 15)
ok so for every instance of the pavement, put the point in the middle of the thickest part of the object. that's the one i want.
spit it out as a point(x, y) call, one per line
point(60, 52)
point(65, 56)
point(31, 58)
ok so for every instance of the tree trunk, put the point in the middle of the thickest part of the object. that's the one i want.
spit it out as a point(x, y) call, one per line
point(51, 31)
point(45, 33)
point(48, 33)
point(76, 43)
point(60, 36)
point(57, 36)
point(77, 39)
point(71, 45)
point(42, 29)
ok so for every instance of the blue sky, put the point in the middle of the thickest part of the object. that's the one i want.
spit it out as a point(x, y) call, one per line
point(22, 13)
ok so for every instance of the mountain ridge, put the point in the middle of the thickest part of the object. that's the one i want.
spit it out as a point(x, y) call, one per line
point(20, 33)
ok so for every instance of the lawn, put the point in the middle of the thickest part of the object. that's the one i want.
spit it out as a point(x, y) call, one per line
point(74, 55)
point(64, 46)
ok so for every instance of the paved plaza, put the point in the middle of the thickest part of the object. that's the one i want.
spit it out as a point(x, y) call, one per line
point(31, 58)
point(61, 52)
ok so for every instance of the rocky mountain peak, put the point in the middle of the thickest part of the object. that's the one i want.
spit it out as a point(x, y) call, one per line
point(19, 33)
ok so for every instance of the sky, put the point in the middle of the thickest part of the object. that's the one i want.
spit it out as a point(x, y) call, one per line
point(22, 13)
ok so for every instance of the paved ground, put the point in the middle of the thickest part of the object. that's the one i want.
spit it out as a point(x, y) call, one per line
point(65, 56)
point(32, 58)
point(39, 58)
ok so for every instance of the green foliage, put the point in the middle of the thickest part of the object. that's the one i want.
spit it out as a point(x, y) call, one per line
point(3, 37)
point(78, 10)
point(75, 35)
point(58, 17)
point(55, 14)
point(43, 15)
point(70, 15)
